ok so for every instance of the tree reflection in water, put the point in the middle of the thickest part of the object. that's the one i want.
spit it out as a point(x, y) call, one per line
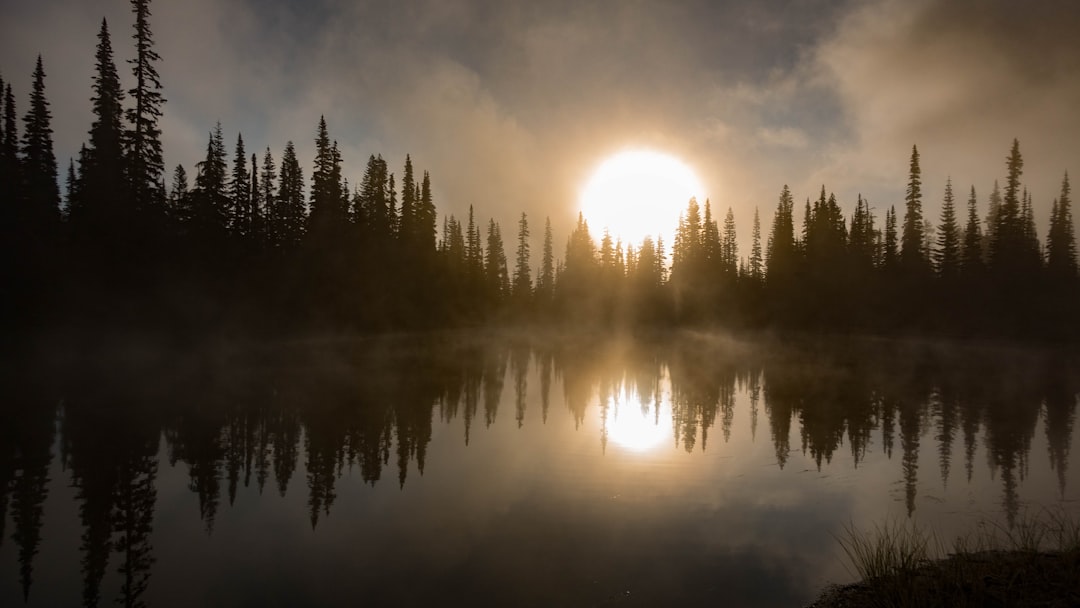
point(254, 414)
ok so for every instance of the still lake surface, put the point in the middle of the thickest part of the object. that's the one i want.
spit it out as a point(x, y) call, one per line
point(499, 470)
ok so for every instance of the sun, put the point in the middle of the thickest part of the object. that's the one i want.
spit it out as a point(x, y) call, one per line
point(633, 427)
point(638, 193)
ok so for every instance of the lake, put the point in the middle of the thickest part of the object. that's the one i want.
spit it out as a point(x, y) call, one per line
point(500, 469)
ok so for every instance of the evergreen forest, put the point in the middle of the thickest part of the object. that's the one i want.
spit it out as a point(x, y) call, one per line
point(259, 241)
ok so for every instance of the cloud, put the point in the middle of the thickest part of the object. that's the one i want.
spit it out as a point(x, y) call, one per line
point(511, 104)
point(961, 79)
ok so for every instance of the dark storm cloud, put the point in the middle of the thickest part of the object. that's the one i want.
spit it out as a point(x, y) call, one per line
point(510, 104)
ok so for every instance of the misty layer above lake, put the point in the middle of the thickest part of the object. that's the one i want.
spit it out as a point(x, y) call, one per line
point(508, 469)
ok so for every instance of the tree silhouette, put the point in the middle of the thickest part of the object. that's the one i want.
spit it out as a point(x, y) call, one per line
point(211, 201)
point(40, 193)
point(143, 139)
point(947, 252)
point(99, 210)
point(291, 210)
point(1061, 240)
point(911, 241)
point(238, 217)
point(971, 256)
point(1008, 239)
point(757, 263)
point(522, 285)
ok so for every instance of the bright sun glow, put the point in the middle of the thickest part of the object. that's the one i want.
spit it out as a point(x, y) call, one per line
point(636, 428)
point(638, 193)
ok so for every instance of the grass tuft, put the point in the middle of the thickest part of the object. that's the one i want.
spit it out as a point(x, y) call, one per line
point(1036, 561)
point(895, 547)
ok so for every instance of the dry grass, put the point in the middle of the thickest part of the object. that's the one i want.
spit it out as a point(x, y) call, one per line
point(1036, 562)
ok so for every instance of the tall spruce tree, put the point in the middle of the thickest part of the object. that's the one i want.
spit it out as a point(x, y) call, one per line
point(971, 256)
point(993, 217)
point(374, 198)
point(522, 286)
point(409, 224)
point(426, 214)
point(40, 192)
point(99, 208)
point(72, 184)
point(270, 218)
point(1061, 240)
point(729, 247)
point(890, 257)
point(757, 266)
point(145, 164)
point(781, 253)
point(10, 180)
point(292, 212)
point(947, 252)
point(179, 197)
point(239, 193)
point(861, 240)
point(494, 267)
point(327, 213)
point(911, 242)
point(256, 206)
point(545, 281)
point(711, 249)
point(1006, 250)
point(212, 201)
point(1031, 249)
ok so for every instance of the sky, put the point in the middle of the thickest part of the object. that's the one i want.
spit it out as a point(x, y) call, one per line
point(511, 104)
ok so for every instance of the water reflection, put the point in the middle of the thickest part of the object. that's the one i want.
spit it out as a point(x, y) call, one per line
point(254, 418)
point(635, 421)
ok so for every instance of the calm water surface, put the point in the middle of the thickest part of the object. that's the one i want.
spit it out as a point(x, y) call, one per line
point(503, 471)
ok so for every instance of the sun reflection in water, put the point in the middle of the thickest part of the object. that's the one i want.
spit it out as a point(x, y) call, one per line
point(636, 422)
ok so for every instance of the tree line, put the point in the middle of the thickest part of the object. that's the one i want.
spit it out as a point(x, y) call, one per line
point(255, 244)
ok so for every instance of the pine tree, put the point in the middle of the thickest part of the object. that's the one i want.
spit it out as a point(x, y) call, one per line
point(239, 218)
point(861, 241)
point(757, 268)
point(99, 207)
point(426, 215)
point(781, 252)
point(494, 267)
point(971, 257)
point(729, 248)
point(911, 243)
point(522, 286)
point(10, 179)
point(993, 218)
point(1061, 240)
point(1031, 249)
point(947, 253)
point(395, 219)
point(1006, 250)
point(327, 212)
point(72, 183)
point(40, 193)
point(271, 220)
point(256, 206)
point(143, 140)
point(545, 282)
point(179, 197)
point(212, 203)
point(409, 221)
point(374, 199)
point(291, 211)
point(890, 257)
point(712, 252)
